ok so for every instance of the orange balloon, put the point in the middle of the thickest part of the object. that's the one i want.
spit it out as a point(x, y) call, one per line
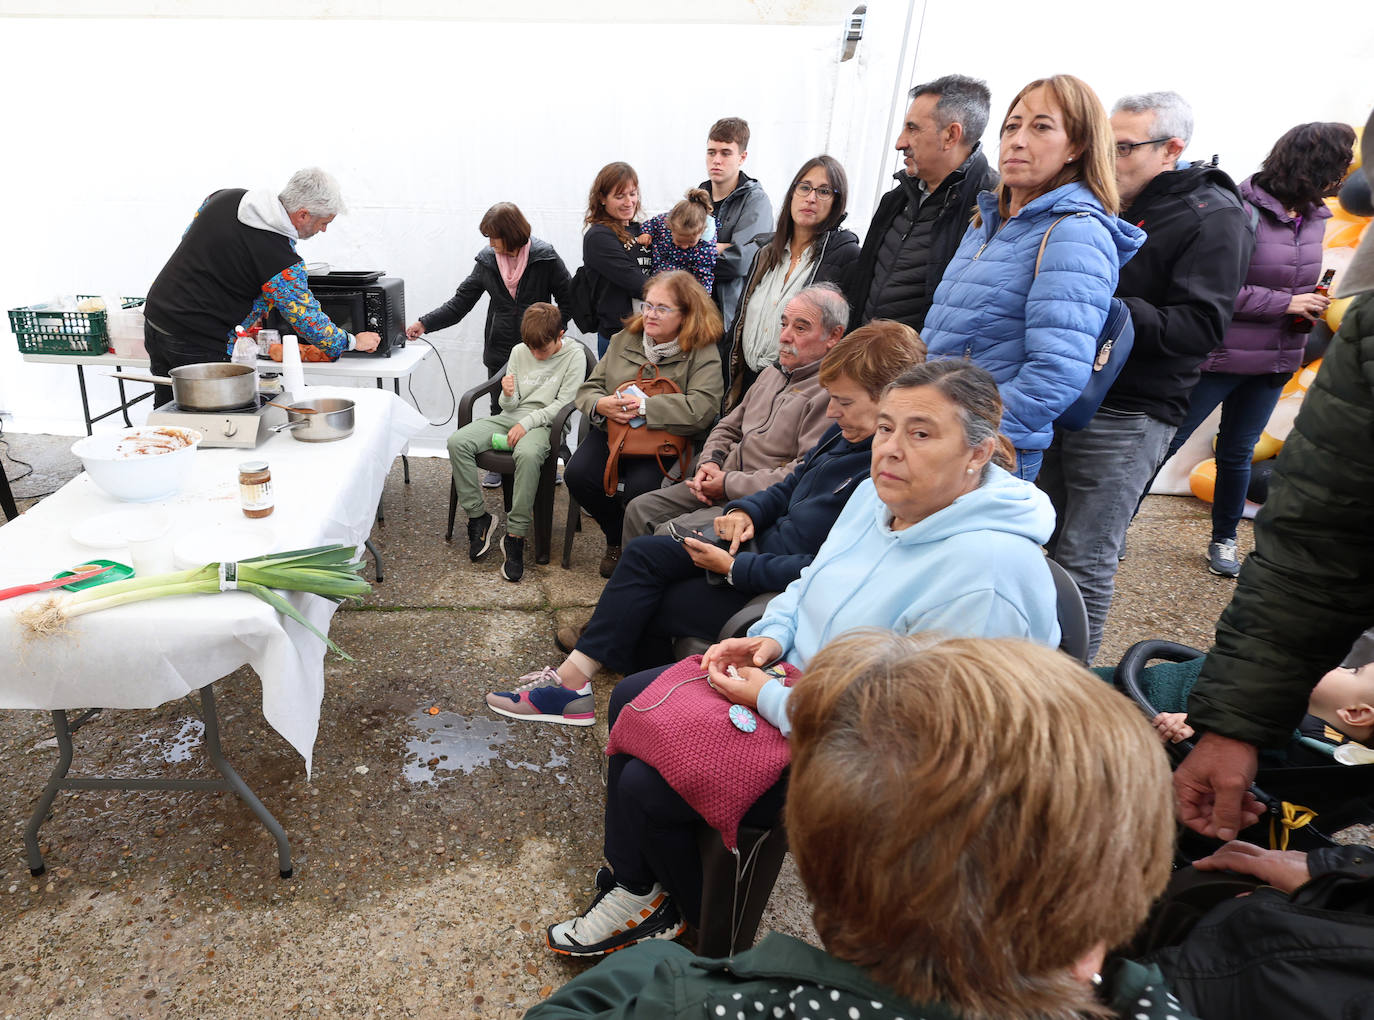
point(1335, 311)
point(1203, 480)
point(1343, 230)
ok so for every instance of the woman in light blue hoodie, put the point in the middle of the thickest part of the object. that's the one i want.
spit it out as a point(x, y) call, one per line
point(1028, 291)
point(939, 538)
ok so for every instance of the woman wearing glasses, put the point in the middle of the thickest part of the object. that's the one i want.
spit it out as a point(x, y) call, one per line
point(808, 247)
point(675, 331)
point(1029, 316)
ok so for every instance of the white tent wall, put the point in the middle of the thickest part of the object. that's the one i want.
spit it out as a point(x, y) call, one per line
point(122, 122)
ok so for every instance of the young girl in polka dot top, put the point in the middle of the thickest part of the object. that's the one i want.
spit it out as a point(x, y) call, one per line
point(684, 238)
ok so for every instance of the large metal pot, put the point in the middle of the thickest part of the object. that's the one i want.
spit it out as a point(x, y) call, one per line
point(213, 386)
point(321, 420)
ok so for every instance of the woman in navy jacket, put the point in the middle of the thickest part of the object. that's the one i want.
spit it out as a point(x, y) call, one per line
point(1263, 346)
point(1035, 328)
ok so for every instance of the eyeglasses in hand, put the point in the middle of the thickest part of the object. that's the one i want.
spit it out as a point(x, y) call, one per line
point(1124, 149)
point(823, 192)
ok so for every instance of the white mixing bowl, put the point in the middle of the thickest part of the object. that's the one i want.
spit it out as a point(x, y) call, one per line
point(142, 478)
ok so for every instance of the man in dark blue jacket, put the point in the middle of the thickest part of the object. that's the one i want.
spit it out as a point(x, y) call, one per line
point(919, 223)
point(1181, 290)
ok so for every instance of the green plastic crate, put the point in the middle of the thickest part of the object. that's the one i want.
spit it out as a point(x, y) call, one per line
point(50, 331)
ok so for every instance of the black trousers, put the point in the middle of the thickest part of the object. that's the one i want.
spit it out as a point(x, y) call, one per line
point(656, 594)
point(166, 352)
point(585, 478)
point(651, 832)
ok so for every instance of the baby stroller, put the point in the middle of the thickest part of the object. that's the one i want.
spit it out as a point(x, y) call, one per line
point(1305, 804)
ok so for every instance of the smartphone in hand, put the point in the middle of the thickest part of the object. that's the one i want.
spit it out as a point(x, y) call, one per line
point(634, 391)
point(681, 533)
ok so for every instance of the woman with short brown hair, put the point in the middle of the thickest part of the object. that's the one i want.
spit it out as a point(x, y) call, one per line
point(514, 271)
point(975, 822)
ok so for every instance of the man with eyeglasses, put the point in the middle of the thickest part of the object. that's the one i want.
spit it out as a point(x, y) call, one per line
point(919, 223)
point(1181, 289)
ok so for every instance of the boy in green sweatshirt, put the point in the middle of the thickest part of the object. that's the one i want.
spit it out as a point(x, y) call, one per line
point(542, 375)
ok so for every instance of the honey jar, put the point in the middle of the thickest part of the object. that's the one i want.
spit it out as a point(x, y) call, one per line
point(255, 489)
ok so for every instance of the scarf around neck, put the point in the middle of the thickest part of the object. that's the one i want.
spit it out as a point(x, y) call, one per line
point(512, 267)
point(657, 352)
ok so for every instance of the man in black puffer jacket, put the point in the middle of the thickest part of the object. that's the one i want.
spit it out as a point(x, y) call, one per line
point(919, 223)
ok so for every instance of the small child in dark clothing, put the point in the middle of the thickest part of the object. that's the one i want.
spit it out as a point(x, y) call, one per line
point(684, 238)
point(1339, 711)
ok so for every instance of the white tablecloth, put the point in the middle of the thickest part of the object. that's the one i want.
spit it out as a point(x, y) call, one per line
point(143, 655)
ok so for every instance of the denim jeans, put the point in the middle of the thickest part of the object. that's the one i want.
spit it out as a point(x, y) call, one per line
point(1028, 464)
point(1094, 478)
point(1246, 402)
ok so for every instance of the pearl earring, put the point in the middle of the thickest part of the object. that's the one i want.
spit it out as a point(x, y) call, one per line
point(970, 471)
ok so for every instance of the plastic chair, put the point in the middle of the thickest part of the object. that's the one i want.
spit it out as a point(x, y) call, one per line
point(503, 462)
point(1072, 613)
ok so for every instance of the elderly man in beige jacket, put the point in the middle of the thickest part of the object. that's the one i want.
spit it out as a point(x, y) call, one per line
point(760, 441)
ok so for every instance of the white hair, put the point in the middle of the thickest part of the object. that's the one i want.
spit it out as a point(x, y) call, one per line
point(829, 301)
point(313, 190)
point(1173, 115)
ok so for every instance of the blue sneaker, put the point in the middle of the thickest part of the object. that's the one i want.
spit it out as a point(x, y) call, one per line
point(541, 697)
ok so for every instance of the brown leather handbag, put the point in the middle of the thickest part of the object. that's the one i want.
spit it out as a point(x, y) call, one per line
point(643, 441)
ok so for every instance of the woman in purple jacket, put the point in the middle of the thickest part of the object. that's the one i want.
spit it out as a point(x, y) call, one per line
point(1262, 348)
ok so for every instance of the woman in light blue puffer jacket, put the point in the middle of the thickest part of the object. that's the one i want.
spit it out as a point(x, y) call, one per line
point(1036, 332)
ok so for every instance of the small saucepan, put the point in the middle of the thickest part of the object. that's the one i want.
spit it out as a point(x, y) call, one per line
point(321, 420)
point(211, 386)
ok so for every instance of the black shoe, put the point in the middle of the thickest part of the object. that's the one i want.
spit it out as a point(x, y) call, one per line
point(481, 531)
point(513, 549)
point(608, 561)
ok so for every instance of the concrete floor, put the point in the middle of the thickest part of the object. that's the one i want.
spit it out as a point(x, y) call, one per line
point(431, 849)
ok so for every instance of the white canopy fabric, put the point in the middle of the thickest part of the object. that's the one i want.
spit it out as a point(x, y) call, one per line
point(130, 113)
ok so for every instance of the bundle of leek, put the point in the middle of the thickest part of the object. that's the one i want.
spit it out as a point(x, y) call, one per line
point(328, 570)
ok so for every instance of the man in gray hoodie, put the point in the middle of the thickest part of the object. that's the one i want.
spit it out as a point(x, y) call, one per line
point(237, 259)
point(742, 211)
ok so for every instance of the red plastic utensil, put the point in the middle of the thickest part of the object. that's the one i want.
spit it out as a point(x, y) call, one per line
point(57, 582)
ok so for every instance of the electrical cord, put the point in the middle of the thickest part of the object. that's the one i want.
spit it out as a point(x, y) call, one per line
point(453, 397)
point(8, 454)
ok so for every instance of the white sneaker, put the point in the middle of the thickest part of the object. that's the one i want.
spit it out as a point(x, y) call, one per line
point(616, 918)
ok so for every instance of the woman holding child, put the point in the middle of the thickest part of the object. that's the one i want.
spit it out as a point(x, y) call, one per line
point(673, 336)
point(941, 538)
point(611, 249)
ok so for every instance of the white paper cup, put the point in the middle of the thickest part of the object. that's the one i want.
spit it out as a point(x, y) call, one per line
point(149, 537)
